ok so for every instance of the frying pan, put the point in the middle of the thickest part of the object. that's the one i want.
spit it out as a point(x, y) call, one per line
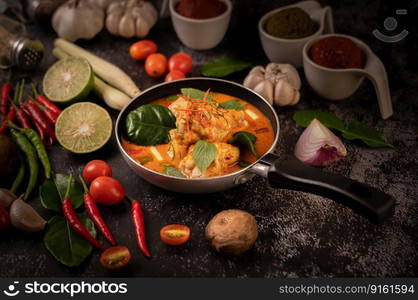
point(285, 171)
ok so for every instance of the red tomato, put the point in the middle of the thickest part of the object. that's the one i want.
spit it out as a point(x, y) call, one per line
point(107, 190)
point(115, 257)
point(96, 168)
point(142, 49)
point(4, 218)
point(175, 234)
point(174, 75)
point(156, 65)
point(180, 62)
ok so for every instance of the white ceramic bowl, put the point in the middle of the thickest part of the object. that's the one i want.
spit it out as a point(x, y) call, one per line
point(289, 51)
point(200, 34)
point(338, 84)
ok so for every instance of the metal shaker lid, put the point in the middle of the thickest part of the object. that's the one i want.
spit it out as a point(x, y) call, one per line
point(26, 53)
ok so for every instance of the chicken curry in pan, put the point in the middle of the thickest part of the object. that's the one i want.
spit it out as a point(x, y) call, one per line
point(197, 134)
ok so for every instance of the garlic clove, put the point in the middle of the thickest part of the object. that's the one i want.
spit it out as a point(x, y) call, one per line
point(112, 23)
point(259, 70)
point(127, 26)
point(292, 75)
point(141, 28)
point(318, 146)
point(151, 11)
point(252, 80)
point(285, 94)
point(25, 218)
point(265, 89)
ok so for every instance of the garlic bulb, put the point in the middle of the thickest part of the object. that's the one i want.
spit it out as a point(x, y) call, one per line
point(278, 83)
point(318, 146)
point(78, 19)
point(132, 18)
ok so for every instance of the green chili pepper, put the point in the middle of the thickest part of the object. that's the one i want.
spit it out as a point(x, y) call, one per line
point(33, 136)
point(19, 177)
point(31, 158)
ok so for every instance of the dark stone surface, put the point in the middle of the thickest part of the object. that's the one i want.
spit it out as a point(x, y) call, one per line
point(301, 235)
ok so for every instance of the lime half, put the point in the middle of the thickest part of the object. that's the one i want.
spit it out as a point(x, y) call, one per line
point(68, 79)
point(83, 127)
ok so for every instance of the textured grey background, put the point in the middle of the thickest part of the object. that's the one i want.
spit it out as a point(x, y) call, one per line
point(301, 235)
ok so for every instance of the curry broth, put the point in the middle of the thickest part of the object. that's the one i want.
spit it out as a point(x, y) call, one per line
point(261, 128)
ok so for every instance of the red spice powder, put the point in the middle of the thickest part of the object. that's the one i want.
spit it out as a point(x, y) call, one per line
point(337, 53)
point(200, 9)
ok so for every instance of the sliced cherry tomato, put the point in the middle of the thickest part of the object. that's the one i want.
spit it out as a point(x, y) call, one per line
point(156, 65)
point(107, 190)
point(174, 75)
point(142, 49)
point(96, 168)
point(175, 234)
point(181, 62)
point(4, 218)
point(115, 257)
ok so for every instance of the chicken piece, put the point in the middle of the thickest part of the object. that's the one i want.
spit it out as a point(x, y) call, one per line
point(203, 121)
point(226, 156)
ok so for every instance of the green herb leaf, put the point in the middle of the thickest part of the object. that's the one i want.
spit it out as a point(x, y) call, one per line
point(224, 66)
point(232, 104)
point(371, 137)
point(173, 171)
point(204, 154)
point(172, 98)
point(53, 190)
point(352, 131)
point(244, 139)
point(196, 94)
point(145, 159)
point(304, 118)
point(243, 164)
point(64, 244)
point(149, 125)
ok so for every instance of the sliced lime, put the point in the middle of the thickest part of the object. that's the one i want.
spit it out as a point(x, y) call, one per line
point(83, 127)
point(68, 79)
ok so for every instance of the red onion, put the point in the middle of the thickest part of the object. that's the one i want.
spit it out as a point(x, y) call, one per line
point(318, 146)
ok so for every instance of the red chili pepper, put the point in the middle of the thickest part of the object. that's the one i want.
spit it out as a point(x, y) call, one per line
point(37, 115)
point(23, 118)
point(45, 101)
point(48, 104)
point(74, 221)
point(138, 220)
point(5, 93)
point(10, 116)
point(94, 213)
point(51, 116)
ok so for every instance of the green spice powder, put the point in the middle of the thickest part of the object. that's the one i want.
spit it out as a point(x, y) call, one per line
point(291, 23)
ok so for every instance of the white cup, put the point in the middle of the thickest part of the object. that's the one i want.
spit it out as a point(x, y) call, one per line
point(200, 34)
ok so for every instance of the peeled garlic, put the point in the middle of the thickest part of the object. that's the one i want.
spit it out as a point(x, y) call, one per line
point(278, 83)
point(318, 146)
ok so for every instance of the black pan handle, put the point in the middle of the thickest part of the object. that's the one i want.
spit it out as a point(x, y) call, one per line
point(289, 173)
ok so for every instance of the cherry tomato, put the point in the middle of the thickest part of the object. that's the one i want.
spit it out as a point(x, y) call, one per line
point(107, 190)
point(156, 65)
point(174, 75)
point(175, 234)
point(4, 218)
point(96, 168)
point(142, 49)
point(115, 257)
point(180, 62)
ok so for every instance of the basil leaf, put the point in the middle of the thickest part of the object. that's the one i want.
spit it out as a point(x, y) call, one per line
point(145, 159)
point(64, 244)
point(204, 154)
point(244, 139)
point(224, 66)
point(232, 104)
point(53, 190)
point(371, 137)
point(149, 124)
point(304, 117)
point(196, 94)
point(173, 171)
point(172, 98)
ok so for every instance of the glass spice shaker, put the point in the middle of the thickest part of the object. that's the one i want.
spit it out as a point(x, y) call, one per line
point(15, 48)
